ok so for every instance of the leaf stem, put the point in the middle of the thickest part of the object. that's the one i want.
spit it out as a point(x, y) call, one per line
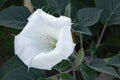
point(81, 40)
point(74, 75)
point(101, 36)
point(67, 71)
point(28, 4)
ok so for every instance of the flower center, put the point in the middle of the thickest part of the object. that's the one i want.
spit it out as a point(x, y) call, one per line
point(51, 41)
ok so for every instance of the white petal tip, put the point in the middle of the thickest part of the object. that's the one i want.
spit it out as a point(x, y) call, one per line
point(37, 12)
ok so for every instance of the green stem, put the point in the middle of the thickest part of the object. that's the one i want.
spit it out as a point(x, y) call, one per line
point(101, 36)
point(67, 71)
point(74, 75)
point(81, 40)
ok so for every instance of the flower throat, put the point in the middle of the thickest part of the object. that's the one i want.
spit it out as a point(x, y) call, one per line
point(51, 41)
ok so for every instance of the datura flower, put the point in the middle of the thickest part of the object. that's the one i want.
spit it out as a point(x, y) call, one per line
point(45, 40)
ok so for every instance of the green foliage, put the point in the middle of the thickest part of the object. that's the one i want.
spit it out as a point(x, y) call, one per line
point(14, 17)
point(86, 19)
point(54, 6)
point(81, 29)
point(115, 61)
point(15, 69)
point(88, 73)
point(101, 66)
point(39, 4)
point(77, 62)
point(65, 64)
point(111, 11)
point(66, 76)
point(78, 4)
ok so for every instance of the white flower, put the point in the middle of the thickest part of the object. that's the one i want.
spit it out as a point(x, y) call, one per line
point(45, 41)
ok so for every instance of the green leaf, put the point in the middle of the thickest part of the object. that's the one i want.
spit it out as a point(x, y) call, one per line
point(111, 11)
point(40, 4)
point(88, 73)
point(15, 70)
point(115, 61)
point(78, 4)
point(22, 74)
point(14, 17)
point(57, 6)
point(81, 29)
point(65, 64)
point(66, 76)
point(60, 4)
point(10, 65)
point(101, 66)
point(88, 16)
point(77, 62)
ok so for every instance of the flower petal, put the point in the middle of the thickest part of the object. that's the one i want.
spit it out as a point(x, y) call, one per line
point(63, 50)
point(42, 24)
point(26, 48)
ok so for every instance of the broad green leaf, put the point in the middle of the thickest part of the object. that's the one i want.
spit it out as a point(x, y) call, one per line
point(111, 11)
point(21, 73)
point(78, 4)
point(77, 62)
point(88, 73)
point(60, 5)
point(66, 76)
point(14, 69)
point(81, 29)
point(88, 16)
point(14, 17)
point(101, 66)
point(65, 64)
point(10, 65)
point(115, 61)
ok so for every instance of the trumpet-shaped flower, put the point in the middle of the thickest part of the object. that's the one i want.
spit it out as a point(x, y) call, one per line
point(45, 40)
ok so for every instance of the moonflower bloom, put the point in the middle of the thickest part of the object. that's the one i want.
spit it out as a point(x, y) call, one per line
point(45, 40)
